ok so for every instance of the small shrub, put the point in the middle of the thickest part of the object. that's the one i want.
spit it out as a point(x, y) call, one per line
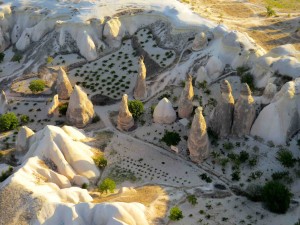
point(171, 138)
point(192, 199)
point(37, 86)
point(107, 185)
point(244, 156)
point(248, 79)
point(96, 119)
point(49, 59)
point(62, 109)
point(236, 175)
point(85, 186)
point(175, 214)
point(228, 146)
point(101, 162)
point(254, 192)
point(8, 121)
point(206, 178)
point(136, 107)
point(286, 158)
point(24, 119)
point(270, 11)
point(17, 58)
point(2, 55)
point(5, 174)
point(276, 197)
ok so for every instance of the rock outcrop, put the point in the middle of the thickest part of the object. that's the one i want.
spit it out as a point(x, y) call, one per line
point(80, 111)
point(222, 116)
point(140, 90)
point(125, 119)
point(269, 93)
point(47, 75)
point(198, 142)
point(200, 41)
point(63, 85)
point(22, 143)
point(3, 103)
point(214, 68)
point(114, 32)
point(164, 112)
point(53, 105)
point(280, 120)
point(202, 75)
point(185, 105)
point(244, 112)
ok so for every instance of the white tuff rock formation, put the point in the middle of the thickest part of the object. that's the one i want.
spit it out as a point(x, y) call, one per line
point(3, 103)
point(80, 111)
point(214, 68)
point(244, 112)
point(268, 94)
point(198, 142)
point(53, 105)
point(200, 41)
point(202, 75)
point(185, 105)
point(140, 90)
point(280, 120)
point(221, 117)
point(164, 112)
point(63, 85)
point(22, 143)
point(125, 119)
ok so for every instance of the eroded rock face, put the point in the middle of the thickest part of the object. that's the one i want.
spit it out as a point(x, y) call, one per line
point(185, 105)
point(80, 110)
point(53, 105)
point(125, 119)
point(268, 94)
point(3, 103)
point(244, 112)
point(164, 112)
point(280, 120)
point(114, 32)
point(222, 116)
point(22, 142)
point(198, 142)
point(63, 85)
point(47, 75)
point(200, 41)
point(140, 90)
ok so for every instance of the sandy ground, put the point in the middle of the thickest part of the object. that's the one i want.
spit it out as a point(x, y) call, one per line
point(268, 32)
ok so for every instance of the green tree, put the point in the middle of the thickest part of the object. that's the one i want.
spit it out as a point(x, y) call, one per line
point(136, 108)
point(17, 57)
point(62, 109)
point(276, 196)
point(107, 185)
point(175, 213)
point(100, 161)
point(24, 119)
point(37, 86)
point(286, 158)
point(192, 199)
point(8, 121)
point(2, 55)
point(171, 138)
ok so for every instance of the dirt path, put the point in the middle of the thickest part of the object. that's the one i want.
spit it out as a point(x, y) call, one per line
point(250, 16)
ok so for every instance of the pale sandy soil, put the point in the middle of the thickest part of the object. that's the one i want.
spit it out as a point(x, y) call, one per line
point(250, 16)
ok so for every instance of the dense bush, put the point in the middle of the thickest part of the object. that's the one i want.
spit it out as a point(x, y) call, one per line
point(5, 174)
point(62, 109)
point(17, 57)
point(254, 192)
point(37, 86)
point(100, 161)
point(192, 199)
point(8, 121)
point(286, 158)
point(107, 185)
point(175, 213)
point(270, 11)
point(276, 196)
point(2, 55)
point(136, 108)
point(171, 138)
point(248, 79)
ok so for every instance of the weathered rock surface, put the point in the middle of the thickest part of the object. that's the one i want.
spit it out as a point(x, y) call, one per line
point(53, 105)
point(114, 32)
point(185, 105)
point(198, 142)
point(244, 112)
point(202, 75)
point(22, 142)
point(63, 85)
point(3, 103)
point(80, 110)
point(268, 94)
point(125, 119)
point(47, 75)
point(214, 67)
point(164, 112)
point(222, 116)
point(280, 120)
point(140, 90)
point(200, 41)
